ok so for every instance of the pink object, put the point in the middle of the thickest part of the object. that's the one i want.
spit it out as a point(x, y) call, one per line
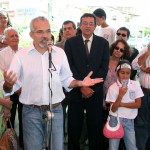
point(113, 132)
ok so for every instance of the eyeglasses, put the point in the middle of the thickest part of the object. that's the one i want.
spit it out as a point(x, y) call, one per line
point(118, 48)
point(88, 23)
point(42, 31)
point(124, 35)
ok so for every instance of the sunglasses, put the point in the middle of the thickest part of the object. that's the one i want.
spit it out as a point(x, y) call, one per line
point(118, 48)
point(124, 35)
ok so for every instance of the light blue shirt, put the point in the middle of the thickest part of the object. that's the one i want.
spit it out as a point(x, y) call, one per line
point(31, 68)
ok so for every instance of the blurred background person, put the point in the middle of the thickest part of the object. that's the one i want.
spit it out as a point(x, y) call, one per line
point(4, 23)
point(52, 39)
point(6, 55)
point(103, 29)
point(60, 35)
point(142, 121)
point(69, 30)
point(124, 33)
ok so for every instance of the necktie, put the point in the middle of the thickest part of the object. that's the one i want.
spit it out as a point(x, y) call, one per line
point(86, 47)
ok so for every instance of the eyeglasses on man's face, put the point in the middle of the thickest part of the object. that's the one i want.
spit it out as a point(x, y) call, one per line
point(40, 32)
point(88, 23)
point(123, 35)
point(118, 48)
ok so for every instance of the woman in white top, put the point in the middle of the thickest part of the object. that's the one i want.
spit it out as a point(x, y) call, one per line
point(125, 99)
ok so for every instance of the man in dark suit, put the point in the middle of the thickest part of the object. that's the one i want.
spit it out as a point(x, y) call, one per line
point(89, 99)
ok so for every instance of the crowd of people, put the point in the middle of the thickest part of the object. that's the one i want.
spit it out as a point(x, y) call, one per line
point(74, 84)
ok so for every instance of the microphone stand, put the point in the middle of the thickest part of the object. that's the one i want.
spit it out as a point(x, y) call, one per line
point(48, 114)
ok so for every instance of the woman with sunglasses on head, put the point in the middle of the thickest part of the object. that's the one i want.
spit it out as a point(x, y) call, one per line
point(118, 50)
point(124, 97)
point(4, 23)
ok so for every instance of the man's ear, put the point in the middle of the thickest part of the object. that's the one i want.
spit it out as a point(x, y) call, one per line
point(31, 34)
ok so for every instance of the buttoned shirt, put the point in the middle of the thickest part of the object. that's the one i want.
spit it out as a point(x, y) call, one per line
point(32, 67)
point(134, 91)
point(6, 56)
point(144, 77)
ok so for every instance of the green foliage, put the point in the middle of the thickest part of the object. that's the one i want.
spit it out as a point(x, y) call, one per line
point(147, 31)
point(23, 30)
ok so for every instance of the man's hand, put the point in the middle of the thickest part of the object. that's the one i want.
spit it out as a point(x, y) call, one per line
point(7, 102)
point(6, 112)
point(145, 69)
point(90, 82)
point(87, 92)
point(10, 79)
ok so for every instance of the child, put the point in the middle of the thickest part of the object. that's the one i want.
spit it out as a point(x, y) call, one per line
point(125, 99)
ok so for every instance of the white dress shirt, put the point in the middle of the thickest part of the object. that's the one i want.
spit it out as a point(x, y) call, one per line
point(144, 77)
point(134, 91)
point(6, 56)
point(32, 71)
point(89, 42)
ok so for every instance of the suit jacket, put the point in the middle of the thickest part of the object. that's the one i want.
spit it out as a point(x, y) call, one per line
point(80, 64)
point(97, 61)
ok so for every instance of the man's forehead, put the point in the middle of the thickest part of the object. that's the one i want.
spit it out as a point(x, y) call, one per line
point(122, 30)
point(41, 24)
point(12, 32)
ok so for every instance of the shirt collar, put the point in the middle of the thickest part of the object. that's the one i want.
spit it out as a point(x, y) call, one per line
point(31, 49)
point(90, 39)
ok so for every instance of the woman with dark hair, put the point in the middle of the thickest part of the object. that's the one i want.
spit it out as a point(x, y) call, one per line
point(4, 23)
point(118, 50)
point(124, 97)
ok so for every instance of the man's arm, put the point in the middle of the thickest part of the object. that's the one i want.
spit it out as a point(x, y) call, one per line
point(86, 82)
point(137, 63)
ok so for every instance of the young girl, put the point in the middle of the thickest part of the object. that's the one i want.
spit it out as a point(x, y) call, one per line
point(125, 99)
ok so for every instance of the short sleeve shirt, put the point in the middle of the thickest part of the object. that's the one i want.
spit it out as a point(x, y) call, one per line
point(134, 91)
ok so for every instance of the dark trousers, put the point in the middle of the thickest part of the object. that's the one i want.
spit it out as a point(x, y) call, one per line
point(15, 99)
point(142, 124)
point(93, 120)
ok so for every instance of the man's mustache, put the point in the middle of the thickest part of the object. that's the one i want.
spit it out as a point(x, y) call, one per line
point(44, 39)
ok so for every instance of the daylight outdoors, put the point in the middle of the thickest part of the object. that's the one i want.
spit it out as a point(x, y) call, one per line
point(132, 14)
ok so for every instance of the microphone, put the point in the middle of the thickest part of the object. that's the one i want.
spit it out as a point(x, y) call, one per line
point(49, 45)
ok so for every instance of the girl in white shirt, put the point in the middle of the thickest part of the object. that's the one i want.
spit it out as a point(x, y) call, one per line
point(125, 99)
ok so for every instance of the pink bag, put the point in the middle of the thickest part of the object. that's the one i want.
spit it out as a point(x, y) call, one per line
point(113, 132)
